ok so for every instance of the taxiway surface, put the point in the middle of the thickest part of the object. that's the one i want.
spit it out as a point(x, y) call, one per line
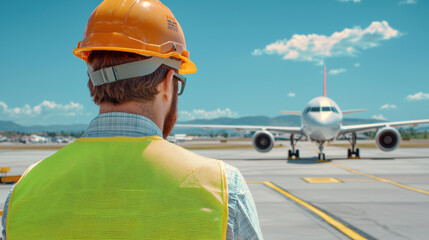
point(380, 196)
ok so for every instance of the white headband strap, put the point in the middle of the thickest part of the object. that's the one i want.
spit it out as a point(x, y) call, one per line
point(131, 70)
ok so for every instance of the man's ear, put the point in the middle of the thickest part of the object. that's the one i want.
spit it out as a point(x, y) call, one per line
point(166, 87)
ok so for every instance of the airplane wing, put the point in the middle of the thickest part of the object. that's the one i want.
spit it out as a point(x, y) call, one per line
point(354, 111)
point(291, 113)
point(293, 130)
point(375, 126)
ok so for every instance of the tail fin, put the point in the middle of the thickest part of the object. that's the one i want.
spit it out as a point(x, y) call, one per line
point(324, 83)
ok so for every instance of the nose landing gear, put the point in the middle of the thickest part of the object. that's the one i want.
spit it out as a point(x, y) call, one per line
point(321, 157)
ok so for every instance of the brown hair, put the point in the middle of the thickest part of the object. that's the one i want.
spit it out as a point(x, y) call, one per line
point(141, 89)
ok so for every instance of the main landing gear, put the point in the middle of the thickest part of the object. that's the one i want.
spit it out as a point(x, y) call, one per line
point(294, 152)
point(353, 153)
point(321, 157)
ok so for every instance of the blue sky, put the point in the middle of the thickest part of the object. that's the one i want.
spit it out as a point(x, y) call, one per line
point(253, 58)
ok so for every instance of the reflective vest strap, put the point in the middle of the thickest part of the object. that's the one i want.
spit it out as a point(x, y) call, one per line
point(224, 200)
point(121, 188)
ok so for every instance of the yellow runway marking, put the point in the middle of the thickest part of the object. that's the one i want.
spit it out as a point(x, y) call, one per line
point(391, 178)
point(382, 179)
point(4, 169)
point(321, 180)
point(409, 178)
point(314, 150)
point(255, 181)
point(378, 178)
point(357, 180)
point(336, 224)
point(9, 179)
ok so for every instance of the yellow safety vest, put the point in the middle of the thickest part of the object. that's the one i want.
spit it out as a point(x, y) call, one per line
point(120, 188)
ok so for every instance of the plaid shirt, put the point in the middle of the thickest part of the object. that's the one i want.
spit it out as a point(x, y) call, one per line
point(242, 220)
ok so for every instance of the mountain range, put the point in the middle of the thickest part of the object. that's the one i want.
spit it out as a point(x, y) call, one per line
point(12, 126)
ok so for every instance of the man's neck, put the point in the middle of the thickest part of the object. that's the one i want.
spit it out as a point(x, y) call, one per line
point(143, 109)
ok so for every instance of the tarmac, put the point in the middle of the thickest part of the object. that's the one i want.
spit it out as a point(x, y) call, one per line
point(383, 195)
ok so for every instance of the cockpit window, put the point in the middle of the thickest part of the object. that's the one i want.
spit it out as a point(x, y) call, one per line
point(334, 110)
point(326, 109)
point(315, 109)
point(307, 110)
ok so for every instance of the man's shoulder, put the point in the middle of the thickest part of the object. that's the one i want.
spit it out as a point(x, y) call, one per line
point(235, 180)
point(164, 147)
point(237, 185)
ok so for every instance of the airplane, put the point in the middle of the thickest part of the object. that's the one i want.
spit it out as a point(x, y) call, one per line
point(179, 138)
point(321, 122)
point(3, 139)
point(33, 138)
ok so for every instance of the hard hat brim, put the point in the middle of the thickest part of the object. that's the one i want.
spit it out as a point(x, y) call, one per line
point(187, 66)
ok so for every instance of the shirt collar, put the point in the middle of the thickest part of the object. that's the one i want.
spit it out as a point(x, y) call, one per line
point(122, 124)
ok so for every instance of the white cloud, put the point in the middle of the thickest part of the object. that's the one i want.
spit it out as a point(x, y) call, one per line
point(315, 48)
point(257, 52)
point(407, 2)
point(379, 117)
point(3, 106)
point(70, 109)
point(418, 96)
point(203, 114)
point(388, 107)
point(337, 71)
point(291, 94)
point(357, 65)
point(355, 1)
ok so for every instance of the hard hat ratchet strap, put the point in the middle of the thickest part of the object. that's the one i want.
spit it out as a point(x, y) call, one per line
point(131, 70)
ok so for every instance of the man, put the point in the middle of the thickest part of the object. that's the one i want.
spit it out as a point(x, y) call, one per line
point(122, 180)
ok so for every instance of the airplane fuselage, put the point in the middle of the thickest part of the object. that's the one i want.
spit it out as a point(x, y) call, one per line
point(321, 119)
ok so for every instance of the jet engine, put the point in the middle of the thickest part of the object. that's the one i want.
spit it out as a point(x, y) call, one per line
point(388, 139)
point(263, 141)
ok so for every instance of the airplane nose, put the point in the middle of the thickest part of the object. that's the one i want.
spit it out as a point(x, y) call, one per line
point(322, 126)
point(323, 119)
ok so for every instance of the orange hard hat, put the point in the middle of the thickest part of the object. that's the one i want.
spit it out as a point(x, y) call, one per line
point(144, 27)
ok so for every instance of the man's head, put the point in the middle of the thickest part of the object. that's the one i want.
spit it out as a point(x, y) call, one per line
point(122, 31)
point(143, 91)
